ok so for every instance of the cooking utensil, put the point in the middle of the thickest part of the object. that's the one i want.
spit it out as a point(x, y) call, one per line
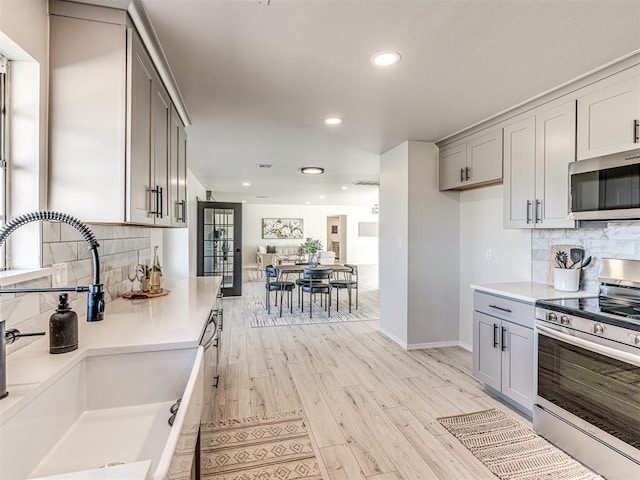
point(586, 262)
point(561, 259)
point(576, 255)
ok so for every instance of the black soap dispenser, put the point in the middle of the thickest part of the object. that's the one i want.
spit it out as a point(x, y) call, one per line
point(63, 328)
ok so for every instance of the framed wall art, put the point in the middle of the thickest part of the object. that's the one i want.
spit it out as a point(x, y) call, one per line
point(288, 228)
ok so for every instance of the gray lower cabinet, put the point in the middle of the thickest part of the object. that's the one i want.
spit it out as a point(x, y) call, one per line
point(503, 347)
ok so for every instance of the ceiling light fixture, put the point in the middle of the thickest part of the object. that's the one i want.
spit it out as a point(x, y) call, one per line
point(345, 187)
point(312, 170)
point(386, 59)
point(246, 184)
point(322, 197)
point(333, 120)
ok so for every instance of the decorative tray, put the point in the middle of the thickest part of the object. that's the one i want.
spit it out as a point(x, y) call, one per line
point(139, 294)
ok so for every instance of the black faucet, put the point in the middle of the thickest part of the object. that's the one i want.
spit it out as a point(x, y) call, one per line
point(95, 299)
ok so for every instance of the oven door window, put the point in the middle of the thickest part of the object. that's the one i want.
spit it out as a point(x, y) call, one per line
point(602, 391)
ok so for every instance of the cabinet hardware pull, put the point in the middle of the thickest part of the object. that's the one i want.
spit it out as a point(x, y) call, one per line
point(500, 308)
point(160, 208)
point(529, 211)
point(462, 174)
point(216, 380)
point(466, 173)
point(153, 204)
point(636, 131)
point(178, 206)
point(495, 336)
point(504, 339)
point(184, 211)
point(215, 343)
point(538, 217)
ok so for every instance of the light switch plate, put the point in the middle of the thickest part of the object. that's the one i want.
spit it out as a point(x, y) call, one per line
point(59, 277)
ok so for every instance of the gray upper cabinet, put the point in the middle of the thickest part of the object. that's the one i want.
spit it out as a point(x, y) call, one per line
point(537, 151)
point(609, 115)
point(178, 173)
point(475, 161)
point(110, 121)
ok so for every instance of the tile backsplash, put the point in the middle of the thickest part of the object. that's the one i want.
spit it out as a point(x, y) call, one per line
point(120, 247)
point(617, 240)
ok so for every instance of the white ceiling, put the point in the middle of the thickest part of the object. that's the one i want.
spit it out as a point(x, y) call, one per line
point(259, 80)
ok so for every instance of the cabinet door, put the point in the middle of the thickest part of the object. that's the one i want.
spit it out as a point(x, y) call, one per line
point(452, 161)
point(519, 173)
point(486, 349)
point(607, 115)
point(177, 171)
point(139, 137)
point(555, 149)
point(484, 158)
point(517, 363)
point(161, 120)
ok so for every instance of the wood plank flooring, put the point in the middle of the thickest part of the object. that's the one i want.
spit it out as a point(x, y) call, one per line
point(371, 406)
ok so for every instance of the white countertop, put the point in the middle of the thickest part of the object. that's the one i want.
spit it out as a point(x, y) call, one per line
point(176, 320)
point(528, 292)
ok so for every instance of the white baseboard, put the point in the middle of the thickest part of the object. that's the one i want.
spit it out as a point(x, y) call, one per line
point(391, 336)
point(420, 346)
point(466, 346)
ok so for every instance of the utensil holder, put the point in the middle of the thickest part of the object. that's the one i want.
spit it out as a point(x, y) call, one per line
point(566, 279)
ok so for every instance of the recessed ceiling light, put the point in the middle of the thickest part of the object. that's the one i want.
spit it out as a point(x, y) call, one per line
point(345, 188)
point(246, 184)
point(308, 203)
point(386, 59)
point(265, 165)
point(312, 170)
point(244, 201)
point(322, 197)
point(333, 120)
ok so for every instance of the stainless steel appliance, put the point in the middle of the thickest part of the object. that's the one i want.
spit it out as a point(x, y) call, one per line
point(605, 187)
point(588, 372)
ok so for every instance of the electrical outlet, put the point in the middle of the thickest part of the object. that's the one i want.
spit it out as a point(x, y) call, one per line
point(60, 275)
point(489, 254)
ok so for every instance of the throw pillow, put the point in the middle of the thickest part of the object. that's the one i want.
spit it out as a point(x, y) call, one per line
point(262, 249)
point(271, 249)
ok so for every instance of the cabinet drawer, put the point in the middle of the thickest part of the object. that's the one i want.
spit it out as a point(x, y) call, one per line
point(504, 308)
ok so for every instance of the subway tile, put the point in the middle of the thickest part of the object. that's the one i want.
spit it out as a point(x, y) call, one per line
point(50, 231)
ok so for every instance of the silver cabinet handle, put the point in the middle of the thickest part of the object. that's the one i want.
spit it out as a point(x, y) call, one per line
point(636, 131)
point(528, 211)
point(466, 173)
point(160, 207)
point(495, 336)
point(462, 174)
point(502, 309)
point(538, 217)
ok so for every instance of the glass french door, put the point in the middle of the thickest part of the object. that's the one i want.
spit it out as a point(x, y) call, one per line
point(220, 244)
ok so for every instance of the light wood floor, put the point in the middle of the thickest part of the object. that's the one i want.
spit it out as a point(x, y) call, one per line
point(371, 406)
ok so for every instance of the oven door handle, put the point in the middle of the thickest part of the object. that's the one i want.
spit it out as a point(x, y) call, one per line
point(594, 347)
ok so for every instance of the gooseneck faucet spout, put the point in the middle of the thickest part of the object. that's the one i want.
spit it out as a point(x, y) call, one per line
point(95, 300)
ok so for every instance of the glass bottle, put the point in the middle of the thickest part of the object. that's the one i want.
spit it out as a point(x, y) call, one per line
point(155, 282)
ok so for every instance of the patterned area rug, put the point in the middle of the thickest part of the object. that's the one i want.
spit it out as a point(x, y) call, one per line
point(368, 310)
point(274, 448)
point(513, 451)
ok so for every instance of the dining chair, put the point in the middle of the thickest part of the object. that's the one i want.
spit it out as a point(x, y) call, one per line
point(318, 283)
point(326, 258)
point(277, 286)
point(346, 280)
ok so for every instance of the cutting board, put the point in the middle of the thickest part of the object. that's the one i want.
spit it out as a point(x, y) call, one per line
point(139, 295)
point(553, 249)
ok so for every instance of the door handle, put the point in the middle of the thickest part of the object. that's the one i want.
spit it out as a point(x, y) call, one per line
point(636, 131)
point(500, 308)
point(160, 210)
point(528, 211)
point(495, 336)
point(466, 173)
point(504, 339)
point(538, 217)
point(462, 174)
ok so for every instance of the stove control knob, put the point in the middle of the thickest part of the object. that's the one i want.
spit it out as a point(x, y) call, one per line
point(565, 320)
point(552, 317)
point(598, 329)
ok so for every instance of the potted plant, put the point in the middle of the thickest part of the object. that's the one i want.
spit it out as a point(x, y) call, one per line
point(145, 276)
point(311, 247)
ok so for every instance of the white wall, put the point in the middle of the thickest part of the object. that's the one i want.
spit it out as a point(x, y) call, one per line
point(481, 229)
point(360, 250)
point(180, 244)
point(393, 237)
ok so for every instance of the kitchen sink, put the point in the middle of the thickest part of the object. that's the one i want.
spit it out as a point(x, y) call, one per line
point(109, 410)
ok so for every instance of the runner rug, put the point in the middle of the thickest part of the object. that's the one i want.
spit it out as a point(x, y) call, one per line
point(513, 451)
point(273, 448)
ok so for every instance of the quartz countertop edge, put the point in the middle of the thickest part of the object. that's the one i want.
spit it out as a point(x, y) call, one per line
point(528, 292)
point(174, 321)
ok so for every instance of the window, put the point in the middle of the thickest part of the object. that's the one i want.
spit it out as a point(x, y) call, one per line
point(4, 150)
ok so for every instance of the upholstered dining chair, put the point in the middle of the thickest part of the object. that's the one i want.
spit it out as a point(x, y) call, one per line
point(346, 280)
point(277, 286)
point(326, 258)
point(318, 283)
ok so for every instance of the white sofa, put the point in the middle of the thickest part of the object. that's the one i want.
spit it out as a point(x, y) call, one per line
point(284, 253)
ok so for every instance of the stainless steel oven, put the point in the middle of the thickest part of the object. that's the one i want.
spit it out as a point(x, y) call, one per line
point(588, 376)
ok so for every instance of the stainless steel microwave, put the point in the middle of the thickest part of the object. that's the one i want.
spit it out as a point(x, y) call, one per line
point(606, 187)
